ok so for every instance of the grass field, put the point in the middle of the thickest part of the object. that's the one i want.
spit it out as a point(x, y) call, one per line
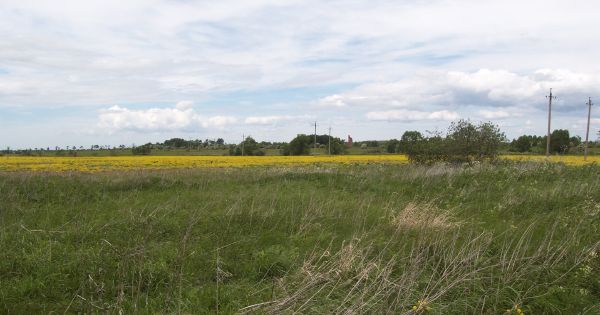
point(347, 237)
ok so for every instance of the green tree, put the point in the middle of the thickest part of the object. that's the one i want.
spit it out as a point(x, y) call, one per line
point(464, 142)
point(427, 150)
point(247, 147)
point(338, 146)
point(489, 138)
point(559, 141)
point(176, 143)
point(522, 144)
point(145, 149)
point(461, 140)
point(300, 145)
point(392, 146)
point(409, 139)
point(372, 144)
point(575, 141)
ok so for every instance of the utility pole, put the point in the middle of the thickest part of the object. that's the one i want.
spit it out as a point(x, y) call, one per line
point(329, 140)
point(550, 98)
point(243, 139)
point(587, 132)
point(315, 137)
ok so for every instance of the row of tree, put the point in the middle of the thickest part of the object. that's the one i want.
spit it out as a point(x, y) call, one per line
point(300, 145)
point(412, 143)
point(560, 142)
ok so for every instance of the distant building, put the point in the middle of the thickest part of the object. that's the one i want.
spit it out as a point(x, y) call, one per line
point(349, 142)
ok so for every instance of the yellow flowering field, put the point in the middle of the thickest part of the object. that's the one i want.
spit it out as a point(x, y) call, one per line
point(95, 164)
point(568, 159)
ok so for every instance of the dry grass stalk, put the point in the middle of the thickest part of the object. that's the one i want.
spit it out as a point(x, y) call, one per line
point(418, 216)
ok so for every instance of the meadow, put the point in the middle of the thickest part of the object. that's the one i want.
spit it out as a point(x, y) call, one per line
point(308, 235)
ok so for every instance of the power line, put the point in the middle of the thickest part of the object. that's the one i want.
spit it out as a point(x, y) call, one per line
point(587, 132)
point(550, 98)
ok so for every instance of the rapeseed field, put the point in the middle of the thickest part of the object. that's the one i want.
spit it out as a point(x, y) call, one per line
point(119, 163)
point(95, 164)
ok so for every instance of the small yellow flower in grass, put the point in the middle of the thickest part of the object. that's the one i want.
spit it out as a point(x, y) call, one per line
point(421, 307)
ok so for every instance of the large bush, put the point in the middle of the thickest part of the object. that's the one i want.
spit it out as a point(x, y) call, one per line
point(302, 144)
point(248, 147)
point(464, 142)
point(559, 141)
point(145, 149)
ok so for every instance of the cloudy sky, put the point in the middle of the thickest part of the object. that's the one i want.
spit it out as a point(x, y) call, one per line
point(132, 71)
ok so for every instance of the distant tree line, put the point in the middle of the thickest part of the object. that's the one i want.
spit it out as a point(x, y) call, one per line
point(303, 144)
point(463, 141)
point(248, 147)
point(560, 142)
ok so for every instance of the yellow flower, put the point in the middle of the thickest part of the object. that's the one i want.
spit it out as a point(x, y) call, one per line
point(96, 164)
point(117, 163)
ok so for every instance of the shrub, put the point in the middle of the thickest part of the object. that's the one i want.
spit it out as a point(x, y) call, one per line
point(559, 141)
point(408, 140)
point(298, 146)
point(392, 146)
point(248, 147)
point(142, 150)
point(427, 150)
point(464, 142)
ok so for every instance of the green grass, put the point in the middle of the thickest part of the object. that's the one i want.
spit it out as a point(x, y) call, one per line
point(362, 239)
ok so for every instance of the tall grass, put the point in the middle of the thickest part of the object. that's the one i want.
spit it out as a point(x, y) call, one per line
point(355, 239)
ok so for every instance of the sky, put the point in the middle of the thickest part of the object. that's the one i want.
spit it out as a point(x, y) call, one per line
point(108, 72)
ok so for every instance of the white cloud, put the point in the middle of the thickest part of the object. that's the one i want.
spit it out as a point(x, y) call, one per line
point(411, 115)
point(155, 50)
point(594, 124)
point(489, 114)
point(282, 53)
point(216, 121)
point(269, 120)
point(480, 88)
point(181, 117)
point(335, 100)
point(184, 105)
point(117, 117)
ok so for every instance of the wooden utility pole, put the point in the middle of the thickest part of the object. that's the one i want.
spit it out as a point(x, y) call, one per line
point(330, 140)
point(587, 132)
point(315, 137)
point(550, 97)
